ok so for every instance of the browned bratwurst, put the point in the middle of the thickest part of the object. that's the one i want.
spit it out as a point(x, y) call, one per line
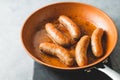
point(58, 51)
point(96, 42)
point(81, 51)
point(56, 35)
point(73, 29)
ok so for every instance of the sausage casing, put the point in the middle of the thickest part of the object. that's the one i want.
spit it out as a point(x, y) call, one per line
point(58, 51)
point(56, 35)
point(96, 42)
point(81, 51)
point(73, 29)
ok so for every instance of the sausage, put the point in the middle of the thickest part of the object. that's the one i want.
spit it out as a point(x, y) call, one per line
point(96, 42)
point(56, 35)
point(58, 51)
point(81, 51)
point(73, 29)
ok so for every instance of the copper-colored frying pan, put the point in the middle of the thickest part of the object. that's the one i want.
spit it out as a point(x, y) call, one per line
point(89, 13)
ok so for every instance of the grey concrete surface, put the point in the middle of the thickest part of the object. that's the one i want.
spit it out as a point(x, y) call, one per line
point(15, 64)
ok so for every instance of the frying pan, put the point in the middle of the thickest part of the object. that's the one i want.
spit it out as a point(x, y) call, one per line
point(87, 12)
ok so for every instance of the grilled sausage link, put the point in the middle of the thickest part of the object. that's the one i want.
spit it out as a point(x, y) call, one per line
point(58, 51)
point(81, 51)
point(56, 35)
point(73, 29)
point(96, 42)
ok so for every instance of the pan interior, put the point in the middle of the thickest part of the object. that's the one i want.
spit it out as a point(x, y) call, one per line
point(79, 13)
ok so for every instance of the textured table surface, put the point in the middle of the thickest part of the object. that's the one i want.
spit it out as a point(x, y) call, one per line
point(15, 64)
